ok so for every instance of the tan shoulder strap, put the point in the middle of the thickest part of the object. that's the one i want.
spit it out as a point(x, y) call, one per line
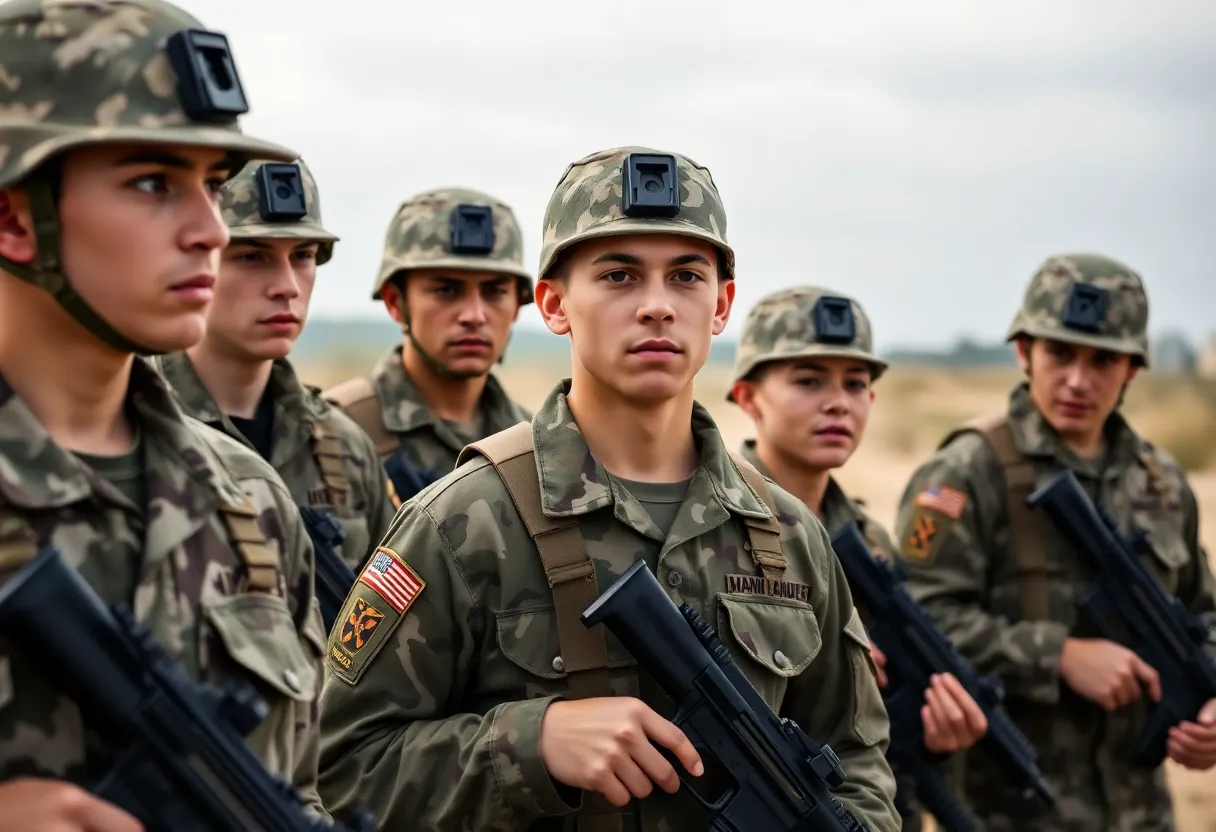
point(259, 557)
point(357, 397)
point(327, 451)
point(763, 535)
point(571, 576)
point(1027, 532)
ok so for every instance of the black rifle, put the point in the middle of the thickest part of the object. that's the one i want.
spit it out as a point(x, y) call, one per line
point(761, 771)
point(916, 649)
point(406, 479)
point(334, 577)
point(1162, 632)
point(180, 759)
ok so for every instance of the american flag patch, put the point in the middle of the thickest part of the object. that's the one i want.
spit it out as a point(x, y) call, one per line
point(392, 579)
point(943, 499)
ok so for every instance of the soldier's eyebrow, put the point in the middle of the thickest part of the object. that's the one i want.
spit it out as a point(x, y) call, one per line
point(169, 160)
point(251, 244)
point(630, 260)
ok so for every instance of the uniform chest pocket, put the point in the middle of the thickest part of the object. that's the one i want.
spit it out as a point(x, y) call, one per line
point(529, 642)
point(772, 640)
point(261, 644)
point(1169, 554)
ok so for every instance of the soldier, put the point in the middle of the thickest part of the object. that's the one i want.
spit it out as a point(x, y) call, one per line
point(118, 127)
point(457, 697)
point(453, 278)
point(808, 391)
point(1002, 581)
point(238, 379)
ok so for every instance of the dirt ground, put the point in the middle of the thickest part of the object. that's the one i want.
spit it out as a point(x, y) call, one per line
point(913, 410)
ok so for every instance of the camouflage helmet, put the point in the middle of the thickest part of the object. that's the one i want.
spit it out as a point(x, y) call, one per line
point(274, 200)
point(803, 322)
point(102, 72)
point(110, 71)
point(1086, 299)
point(629, 190)
point(487, 237)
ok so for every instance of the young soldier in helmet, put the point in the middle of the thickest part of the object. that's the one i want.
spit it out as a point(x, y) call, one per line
point(114, 140)
point(238, 379)
point(453, 701)
point(1003, 582)
point(809, 395)
point(453, 278)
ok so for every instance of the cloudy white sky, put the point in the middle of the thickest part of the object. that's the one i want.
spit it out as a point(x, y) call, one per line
point(924, 157)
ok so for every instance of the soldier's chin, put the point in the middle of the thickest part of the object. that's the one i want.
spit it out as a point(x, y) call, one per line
point(825, 459)
point(167, 336)
point(468, 367)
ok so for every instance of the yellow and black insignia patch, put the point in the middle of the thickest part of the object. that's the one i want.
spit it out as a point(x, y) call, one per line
point(921, 539)
point(358, 626)
point(365, 625)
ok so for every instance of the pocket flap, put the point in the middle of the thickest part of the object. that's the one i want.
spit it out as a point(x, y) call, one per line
point(781, 635)
point(528, 639)
point(260, 635)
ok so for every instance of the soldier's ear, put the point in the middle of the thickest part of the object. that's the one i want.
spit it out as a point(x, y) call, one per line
point(726, 300)
point(744, 394)
point(17, 242)
point(549, 302)
point(390, 294)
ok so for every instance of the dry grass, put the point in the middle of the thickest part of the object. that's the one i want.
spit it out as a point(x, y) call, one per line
point(915, 408)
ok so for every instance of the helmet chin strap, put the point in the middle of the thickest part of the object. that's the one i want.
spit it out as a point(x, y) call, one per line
point(47, 273)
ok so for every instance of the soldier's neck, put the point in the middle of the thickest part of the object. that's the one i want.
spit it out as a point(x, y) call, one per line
point(74, 385)
point(453, 399)
point(235, 382)
point(651, 443)
point(807, 484)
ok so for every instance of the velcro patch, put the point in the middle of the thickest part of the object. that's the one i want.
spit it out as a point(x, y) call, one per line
point(921, 539)
point(386, 588)
point(392, 579)
point(943, 499)
point(757, 585)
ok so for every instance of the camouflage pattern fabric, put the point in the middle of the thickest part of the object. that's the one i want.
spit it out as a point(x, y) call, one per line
point(419, 237)
point(1124, 322)
point(431, 443)
point(241, 208)
point(191, 590)
point(588, 203)
point(836, 511)
point(954, 536)
point(782, 327)
point(432, 709)
point(366, 516)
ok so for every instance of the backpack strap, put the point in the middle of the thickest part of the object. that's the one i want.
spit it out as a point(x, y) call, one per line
point(1027, 530)
point(327, 451)
point(763, 534)
point(357, 397)
point(571, 576)
point(259, 558)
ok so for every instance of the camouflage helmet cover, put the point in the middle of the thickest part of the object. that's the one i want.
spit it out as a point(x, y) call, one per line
point(1117, 301)
point(419, 237)
point(588, 203)
point(782, 326)
point(241, 207)
point(93, 72)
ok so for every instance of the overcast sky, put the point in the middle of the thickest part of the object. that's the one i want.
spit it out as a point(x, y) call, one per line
point(924, 157)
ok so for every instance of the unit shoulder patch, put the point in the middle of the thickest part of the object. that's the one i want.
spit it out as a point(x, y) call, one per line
point(924, 534)
point(943, 499)
point(385, 590)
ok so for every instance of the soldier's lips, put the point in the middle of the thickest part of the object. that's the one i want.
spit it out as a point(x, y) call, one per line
point(469, 345)
point(197, 290)
point(1074, 409)
point(281, 323)
point(655, 349)
point(835, 432)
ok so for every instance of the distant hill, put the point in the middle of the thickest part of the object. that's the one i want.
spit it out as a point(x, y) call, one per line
point(359, 341)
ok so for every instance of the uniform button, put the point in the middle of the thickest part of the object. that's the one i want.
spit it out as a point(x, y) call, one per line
point(291, 680)
point(674, 579)
point(780, 660)
point(559, 664)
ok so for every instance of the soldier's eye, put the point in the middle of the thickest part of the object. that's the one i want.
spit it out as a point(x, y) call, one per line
point(617, 276)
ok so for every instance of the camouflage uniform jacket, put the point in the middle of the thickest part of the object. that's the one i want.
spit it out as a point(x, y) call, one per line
point(430, 444)
point(366, 513)
point(835, 512)
point(433, 718)
point(187, 583)
point(956, 542)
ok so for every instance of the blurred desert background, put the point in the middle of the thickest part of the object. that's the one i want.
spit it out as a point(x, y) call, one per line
point(919, 399)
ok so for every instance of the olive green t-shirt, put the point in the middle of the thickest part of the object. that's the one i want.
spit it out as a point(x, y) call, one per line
point(662, 500)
